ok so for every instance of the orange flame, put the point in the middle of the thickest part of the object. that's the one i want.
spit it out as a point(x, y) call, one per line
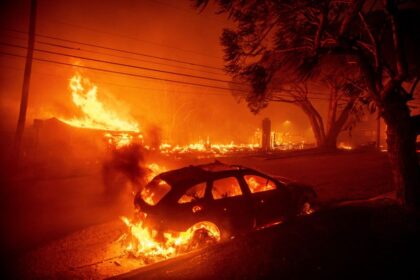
point(84, 95)
point(258, 184)
point(143, 242)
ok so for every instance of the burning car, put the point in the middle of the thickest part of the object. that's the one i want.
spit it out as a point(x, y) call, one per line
point(231, 198)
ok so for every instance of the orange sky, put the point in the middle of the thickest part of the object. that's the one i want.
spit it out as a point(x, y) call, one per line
point(170, 29)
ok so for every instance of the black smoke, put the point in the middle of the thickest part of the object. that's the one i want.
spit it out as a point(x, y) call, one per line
point(125, 166)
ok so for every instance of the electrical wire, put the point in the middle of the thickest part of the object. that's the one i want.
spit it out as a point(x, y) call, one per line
point(137, 75)
point(116, 49)
point(122, 64)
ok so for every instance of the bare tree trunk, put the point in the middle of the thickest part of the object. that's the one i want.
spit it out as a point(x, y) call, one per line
point(332, 108)
point(401, 140)
point(315, 121)
point(330, 142)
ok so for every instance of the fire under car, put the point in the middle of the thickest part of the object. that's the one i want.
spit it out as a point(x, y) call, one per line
point(234, 199)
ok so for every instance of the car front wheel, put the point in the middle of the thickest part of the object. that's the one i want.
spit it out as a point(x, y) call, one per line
point(203, 234)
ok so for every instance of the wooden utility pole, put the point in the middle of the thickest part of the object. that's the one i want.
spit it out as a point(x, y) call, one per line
point(378, 131)
point(26, 81)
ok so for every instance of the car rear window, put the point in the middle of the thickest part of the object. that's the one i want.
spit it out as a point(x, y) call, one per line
point(155, 191)
point(226, 187)
point(194, 193)
point(259, 184)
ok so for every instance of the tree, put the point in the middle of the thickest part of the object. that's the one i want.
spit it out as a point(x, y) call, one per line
point(295, 35)
point(346, 105)
point(346, 101)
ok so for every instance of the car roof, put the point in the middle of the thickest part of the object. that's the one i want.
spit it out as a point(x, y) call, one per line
point(198, 173)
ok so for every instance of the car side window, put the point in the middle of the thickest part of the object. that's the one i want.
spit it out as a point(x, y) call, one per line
point(226, 187)
point(259, 184)
point(194, 193)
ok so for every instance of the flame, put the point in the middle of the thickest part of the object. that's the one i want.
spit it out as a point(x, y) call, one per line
point(344, 146)
point(257, 185)
point(119, 140)
point(154, 170)
point(151, 245)
point(207, 148)
point(96, 116)
point(307, 209)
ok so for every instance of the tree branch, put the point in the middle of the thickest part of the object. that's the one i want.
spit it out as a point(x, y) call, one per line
point(373, 41)
point(392, 10)
point(323, 19)
point(413, 86)
point(348, 17)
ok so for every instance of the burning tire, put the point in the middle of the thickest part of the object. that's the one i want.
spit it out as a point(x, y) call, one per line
point(203, 234)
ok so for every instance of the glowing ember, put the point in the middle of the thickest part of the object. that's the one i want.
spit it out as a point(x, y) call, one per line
point(119, 140)
point(151, 245)
point(96, 116)
point(208, 148)
point(307, 209)
point(344, 146)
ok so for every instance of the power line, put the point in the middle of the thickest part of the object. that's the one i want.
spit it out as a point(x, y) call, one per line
point(135, 75)
point(122, 73)
point(125, 57)
point(129, 37)
point(125, 86)
point(286, 90)
point(118, 56)
point(122, 64)
point(118, 50)
point(142, 68)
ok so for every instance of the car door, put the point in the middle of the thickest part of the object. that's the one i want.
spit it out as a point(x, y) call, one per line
point(191, 206)
point(229, 207)
point(268, 198)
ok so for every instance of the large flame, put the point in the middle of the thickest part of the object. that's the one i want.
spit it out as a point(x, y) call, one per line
point(152, 246)
point(96, 116)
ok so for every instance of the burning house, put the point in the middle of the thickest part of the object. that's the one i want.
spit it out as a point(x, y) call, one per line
point(53, 137)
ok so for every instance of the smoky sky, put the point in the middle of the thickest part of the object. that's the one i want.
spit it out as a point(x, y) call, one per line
point(162, 28)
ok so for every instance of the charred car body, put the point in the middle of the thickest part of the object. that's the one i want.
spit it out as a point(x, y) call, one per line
point(235, 199)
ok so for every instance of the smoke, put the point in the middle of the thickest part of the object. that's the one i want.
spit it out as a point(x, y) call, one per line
point(125, 166)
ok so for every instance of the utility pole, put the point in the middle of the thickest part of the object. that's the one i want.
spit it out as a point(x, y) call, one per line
point(378, 131)
point(26, 81)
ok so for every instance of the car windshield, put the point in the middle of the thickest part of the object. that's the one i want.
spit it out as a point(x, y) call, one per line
point(155, 191)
